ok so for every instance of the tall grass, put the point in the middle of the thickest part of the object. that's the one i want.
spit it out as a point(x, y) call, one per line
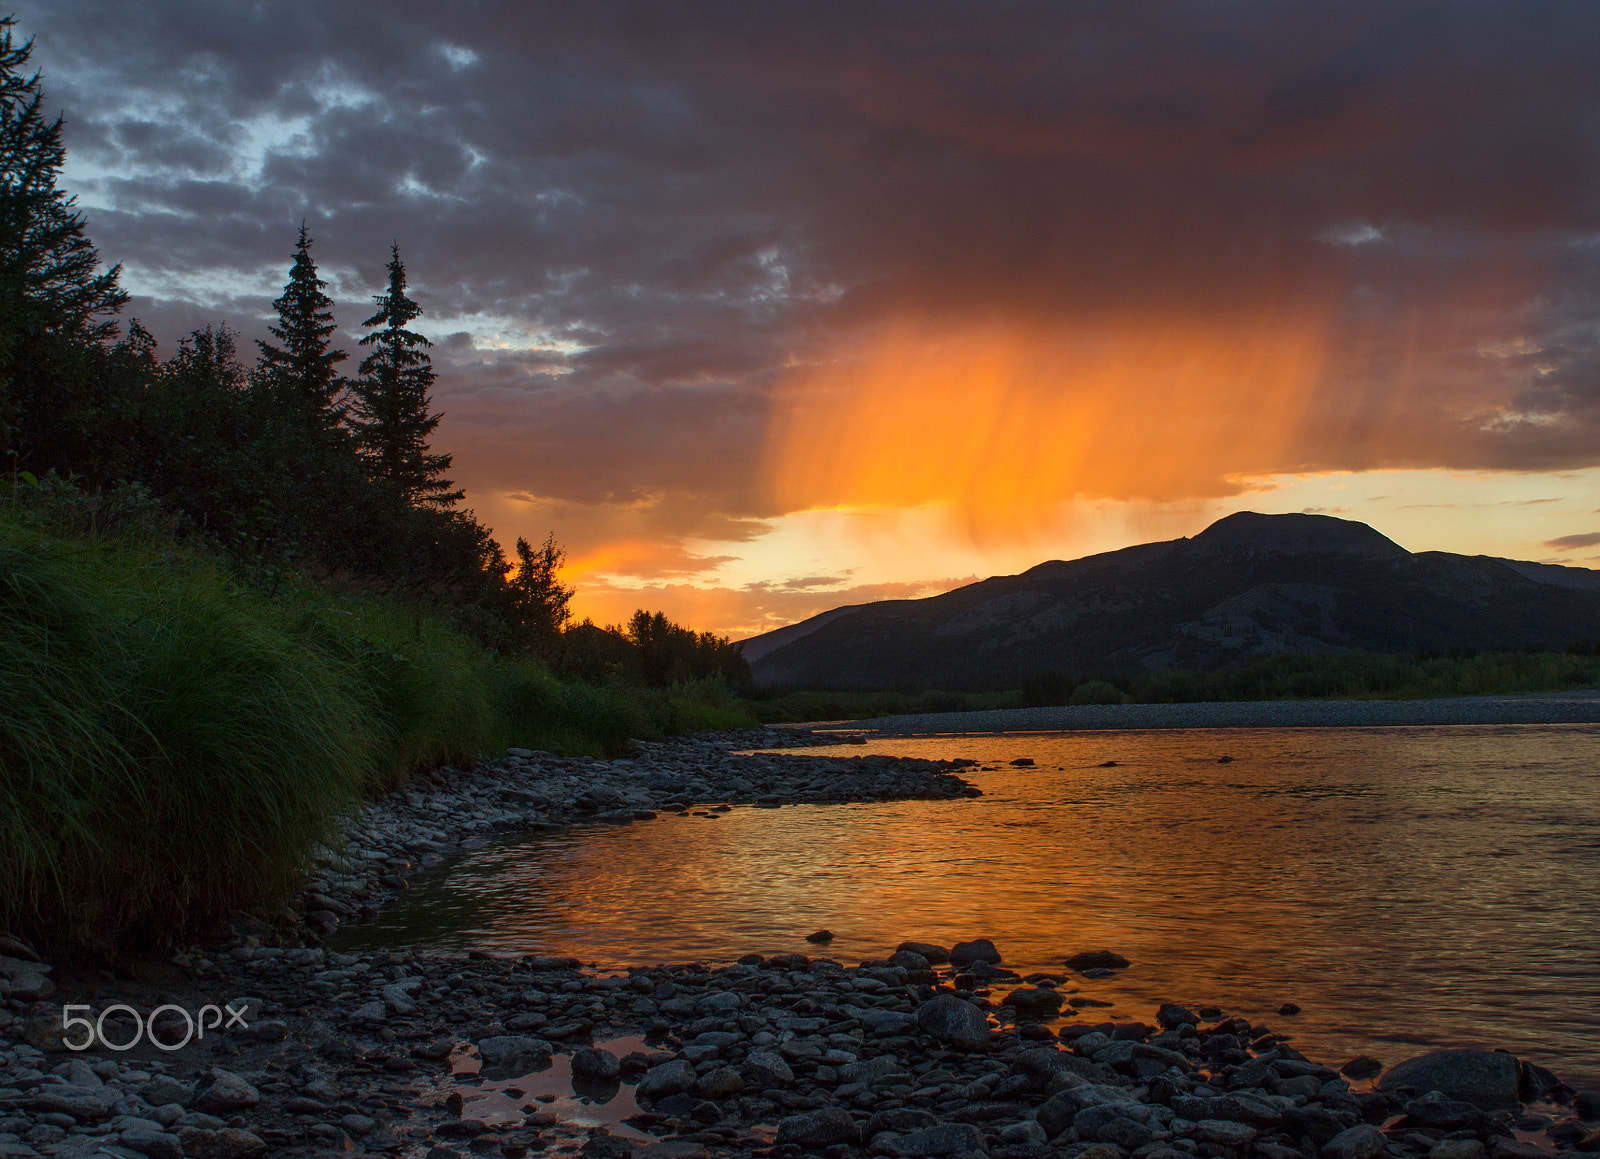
point(167, 748)
point(174, 746)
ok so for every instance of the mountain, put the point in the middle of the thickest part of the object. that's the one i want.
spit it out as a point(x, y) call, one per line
point(1249, 585)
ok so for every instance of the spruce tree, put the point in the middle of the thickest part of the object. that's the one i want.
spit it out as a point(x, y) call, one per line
point(391, 418)
point(51, 298)
point(301, 372)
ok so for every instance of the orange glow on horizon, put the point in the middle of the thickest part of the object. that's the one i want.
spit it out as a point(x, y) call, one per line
point(1006, 424)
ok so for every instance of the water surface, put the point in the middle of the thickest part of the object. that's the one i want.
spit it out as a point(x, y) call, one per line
point(1407, 887)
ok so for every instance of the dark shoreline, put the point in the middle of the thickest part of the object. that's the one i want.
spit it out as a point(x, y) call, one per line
point(367, 1053)
point(1574, 707)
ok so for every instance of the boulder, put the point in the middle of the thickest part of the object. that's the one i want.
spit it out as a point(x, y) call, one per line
point(1485, 1078)
point(766, 1068)
point(929, 951)
point(1037, 1003)
point(1098, 960)
point(509, 1050)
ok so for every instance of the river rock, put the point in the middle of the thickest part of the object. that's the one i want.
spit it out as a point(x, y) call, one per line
point(1224, 1132)
point(977, 950)
point(1457, 1149)
point(227, 1092)
point(24, 980)
point(942, 1139)
point(1236, 1106)
point(668, 1078)
point(766, 1068)
point(1098, 960)
point(1034, 1002)
point(722, 1083)
point(504, 1050)
point(1485, 1078)
point(151, 1142)
point(596, 1065)
point(1435, 1110)
point(162, 1090)
point(954, 1021)
point(1362, 1141)
point(934, 954)
point(820, 1128)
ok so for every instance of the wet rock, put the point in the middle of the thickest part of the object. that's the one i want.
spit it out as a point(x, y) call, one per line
point(1172, 1016)
point(1587, 1105)
point(1032, 1002)
point(1361, 1067)
point(820, 1128)
point(513, 1050)
point(1435, 1110)
point(977, 950)
point(1098, 960)
point(1486, 1079)
point(820, 936)
point(226, 1092)
point(668, 1078)
point(939, 1140)
point(934, 954)
point(909, 960)
point(1362, 1141)
point(596, 1065)
point(954, 1021)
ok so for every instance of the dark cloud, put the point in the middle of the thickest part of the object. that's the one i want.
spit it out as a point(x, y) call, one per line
point(1571, 542)
point(641, 214)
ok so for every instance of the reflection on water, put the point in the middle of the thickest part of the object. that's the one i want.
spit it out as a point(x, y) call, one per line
point(1428, 886)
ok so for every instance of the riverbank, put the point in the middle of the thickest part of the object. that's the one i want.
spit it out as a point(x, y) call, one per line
point(1572, 707)
point(445, 1055)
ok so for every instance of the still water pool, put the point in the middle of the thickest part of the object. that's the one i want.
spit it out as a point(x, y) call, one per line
point(1406, 887)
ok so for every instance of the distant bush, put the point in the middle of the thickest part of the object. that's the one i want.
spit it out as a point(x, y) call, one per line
point(1097, 692)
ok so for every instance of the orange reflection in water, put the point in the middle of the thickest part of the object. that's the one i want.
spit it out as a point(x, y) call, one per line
point(1428, 886)
point(1007, 422)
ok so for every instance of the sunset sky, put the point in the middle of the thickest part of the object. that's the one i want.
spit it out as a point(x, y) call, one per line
point(766, 308)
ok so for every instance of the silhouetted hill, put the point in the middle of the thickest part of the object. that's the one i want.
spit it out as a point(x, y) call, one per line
point(1249, 585)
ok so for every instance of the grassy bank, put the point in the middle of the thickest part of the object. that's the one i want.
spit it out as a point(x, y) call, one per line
point(1350, 675)
point(173, 744)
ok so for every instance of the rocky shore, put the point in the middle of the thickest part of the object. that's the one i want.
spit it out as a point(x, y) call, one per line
point(928, 1051)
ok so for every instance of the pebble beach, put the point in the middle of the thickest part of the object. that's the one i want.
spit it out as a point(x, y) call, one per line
point(926, 1050)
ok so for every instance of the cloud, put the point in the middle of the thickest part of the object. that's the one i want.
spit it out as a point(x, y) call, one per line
point(1573, 542)
point(703, 268)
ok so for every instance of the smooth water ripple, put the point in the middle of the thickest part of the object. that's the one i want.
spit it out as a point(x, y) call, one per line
point(1405, 887)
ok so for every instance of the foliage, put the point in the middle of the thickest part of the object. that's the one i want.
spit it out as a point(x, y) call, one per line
point(538, 598)
point(392, 423)
point(302, 373)
point(669, 653)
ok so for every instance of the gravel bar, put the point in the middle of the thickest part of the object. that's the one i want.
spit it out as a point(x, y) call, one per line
point(1578, 707)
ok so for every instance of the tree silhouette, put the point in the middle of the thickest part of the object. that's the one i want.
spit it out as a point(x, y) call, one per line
point(537, 594)
point(50, 295)
point(301, 372)
point(390, 415)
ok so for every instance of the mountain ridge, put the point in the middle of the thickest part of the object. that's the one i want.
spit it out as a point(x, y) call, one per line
point(1249, 585)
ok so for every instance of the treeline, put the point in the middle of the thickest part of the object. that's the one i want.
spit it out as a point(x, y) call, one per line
point(1341, 675)
point(295, 469)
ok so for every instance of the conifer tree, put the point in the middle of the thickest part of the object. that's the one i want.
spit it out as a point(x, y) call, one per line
point(537, 593)
point(49, 290)
point(391, 418)
point(302, 370)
